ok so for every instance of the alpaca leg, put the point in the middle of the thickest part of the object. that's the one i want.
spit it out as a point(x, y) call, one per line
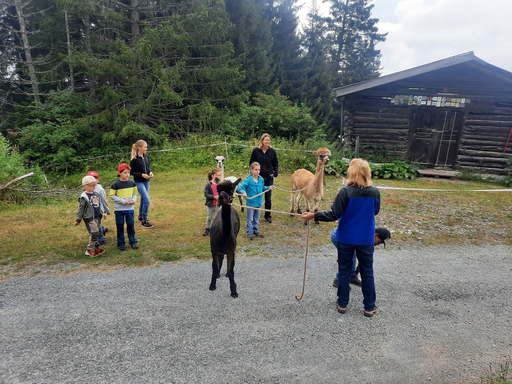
point(241, 201)
point(219, 265)
point(292, 200)
point(299, 198)
point(231, 275)
point(215, 272)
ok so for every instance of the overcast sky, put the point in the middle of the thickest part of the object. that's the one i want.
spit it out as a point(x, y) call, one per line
point(422, 31)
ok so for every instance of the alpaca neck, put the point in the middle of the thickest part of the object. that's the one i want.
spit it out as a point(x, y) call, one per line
point(225, 215)
point(319, 177)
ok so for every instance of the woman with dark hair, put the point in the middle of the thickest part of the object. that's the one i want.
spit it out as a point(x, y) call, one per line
point(355, 207)
point(267, 157)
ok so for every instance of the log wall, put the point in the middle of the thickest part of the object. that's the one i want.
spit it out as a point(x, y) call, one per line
point(483, 140)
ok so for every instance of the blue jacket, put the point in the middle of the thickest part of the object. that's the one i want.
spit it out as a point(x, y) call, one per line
point(355, 208)
point(253, 188)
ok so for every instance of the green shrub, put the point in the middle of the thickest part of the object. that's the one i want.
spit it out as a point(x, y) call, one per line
point(400, 170)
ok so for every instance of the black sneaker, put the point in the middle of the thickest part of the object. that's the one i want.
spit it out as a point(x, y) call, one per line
point(250, 237)
point(134, 246)
point(335, 283)
point(354, 280)
point(257, 234)
point(140, 218)
point(121, 247)
point(146, 224)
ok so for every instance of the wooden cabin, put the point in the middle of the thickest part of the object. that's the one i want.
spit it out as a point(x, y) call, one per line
point(454, 113)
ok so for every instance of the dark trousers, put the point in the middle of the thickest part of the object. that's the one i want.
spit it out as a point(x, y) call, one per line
point(268, 196)
point(130, 227)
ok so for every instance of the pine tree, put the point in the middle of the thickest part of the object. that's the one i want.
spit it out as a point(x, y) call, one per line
point(354, 35)
point(252, 41)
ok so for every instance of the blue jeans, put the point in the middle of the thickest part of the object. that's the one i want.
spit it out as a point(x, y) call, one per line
point(130, 227)
point(365, 256)
point(253, 219)
point(268, 196)
point(143, 189)
point(334, 240)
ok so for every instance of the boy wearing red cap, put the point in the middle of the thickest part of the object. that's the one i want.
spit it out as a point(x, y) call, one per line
point(124, 194)
point(104, 206)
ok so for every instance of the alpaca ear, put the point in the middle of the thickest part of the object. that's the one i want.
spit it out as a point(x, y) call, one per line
point(315, 153)
point(237, 182)
point(217, 180)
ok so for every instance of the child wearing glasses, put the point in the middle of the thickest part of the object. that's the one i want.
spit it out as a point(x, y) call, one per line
point(90, 211)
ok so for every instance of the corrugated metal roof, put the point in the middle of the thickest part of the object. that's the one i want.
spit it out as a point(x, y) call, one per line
point(440, 64)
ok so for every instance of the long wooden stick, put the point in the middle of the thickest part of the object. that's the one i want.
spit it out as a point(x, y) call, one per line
point(16, 179)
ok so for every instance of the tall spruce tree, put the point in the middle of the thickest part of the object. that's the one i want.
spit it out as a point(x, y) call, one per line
point(354, 35)
point(316, 87)
point(252, 41)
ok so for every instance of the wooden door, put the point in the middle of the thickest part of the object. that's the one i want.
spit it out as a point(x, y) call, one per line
point(434, 136)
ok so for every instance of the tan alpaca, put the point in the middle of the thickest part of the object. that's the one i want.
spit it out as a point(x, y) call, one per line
point(302, 178)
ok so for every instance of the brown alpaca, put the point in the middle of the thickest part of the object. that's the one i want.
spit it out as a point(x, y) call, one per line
point(302, 178)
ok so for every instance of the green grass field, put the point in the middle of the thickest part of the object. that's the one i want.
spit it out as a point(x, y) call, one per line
point(37, 235)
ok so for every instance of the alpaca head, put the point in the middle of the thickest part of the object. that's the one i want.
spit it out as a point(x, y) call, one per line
point(226, 190)
point(323, 155)
point(220, 160)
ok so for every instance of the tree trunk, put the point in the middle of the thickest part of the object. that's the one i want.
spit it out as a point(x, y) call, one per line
point(88, 47)
point(71, 79)
point(28, 56)
point(135, 18)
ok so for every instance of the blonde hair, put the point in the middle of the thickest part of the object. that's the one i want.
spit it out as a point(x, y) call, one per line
point(260, 144)
point(359, 174)
point(136, 146)
point(254, 165)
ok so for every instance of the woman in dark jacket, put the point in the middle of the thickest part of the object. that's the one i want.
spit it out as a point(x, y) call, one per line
point(267, 157)
point(355, 207)
point(141, 173)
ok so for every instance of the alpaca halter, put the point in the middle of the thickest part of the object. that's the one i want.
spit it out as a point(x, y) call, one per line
point(230, 198)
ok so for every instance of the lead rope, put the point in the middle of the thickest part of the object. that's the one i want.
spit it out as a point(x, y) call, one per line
point(301, 295)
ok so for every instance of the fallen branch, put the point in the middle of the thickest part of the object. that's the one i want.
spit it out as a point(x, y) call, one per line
point(15, 180)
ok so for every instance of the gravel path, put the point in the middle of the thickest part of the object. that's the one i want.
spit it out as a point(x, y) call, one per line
point(444, 316)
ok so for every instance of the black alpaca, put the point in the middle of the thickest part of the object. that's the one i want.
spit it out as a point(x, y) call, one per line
point(223, 233)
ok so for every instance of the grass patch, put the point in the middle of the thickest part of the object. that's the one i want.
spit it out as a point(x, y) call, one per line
point(42, 234)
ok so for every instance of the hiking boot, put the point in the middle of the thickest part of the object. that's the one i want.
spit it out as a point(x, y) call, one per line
point(91, 253)
point(335, 283)
point(105, 230)
point(99, 251)
point(146, 224)
point(340, 309)
point(121, 247)
point(354, 280)
point(257, 234)
point(206, 231)
point(134, 245)
point(250, 237)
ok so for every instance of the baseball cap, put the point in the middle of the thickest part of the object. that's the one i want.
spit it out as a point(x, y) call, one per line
point(88, 180)
point(121, 168)
point(383, 234)
point(93, 174)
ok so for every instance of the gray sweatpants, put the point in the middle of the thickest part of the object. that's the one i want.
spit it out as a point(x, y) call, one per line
point(93, 227)
point(210, 215)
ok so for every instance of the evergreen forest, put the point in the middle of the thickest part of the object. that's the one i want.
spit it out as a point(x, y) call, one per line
point(89, 77)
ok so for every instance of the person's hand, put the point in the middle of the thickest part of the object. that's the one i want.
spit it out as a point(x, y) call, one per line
point(244, 194)
point(77, 223)
point(126, 202)
point(271, 187)
point(216, 197)
point(104, 216)
point(150, 174)
point(132, 202)
point(145, 176)
point(272, 176)
point(308, 216)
